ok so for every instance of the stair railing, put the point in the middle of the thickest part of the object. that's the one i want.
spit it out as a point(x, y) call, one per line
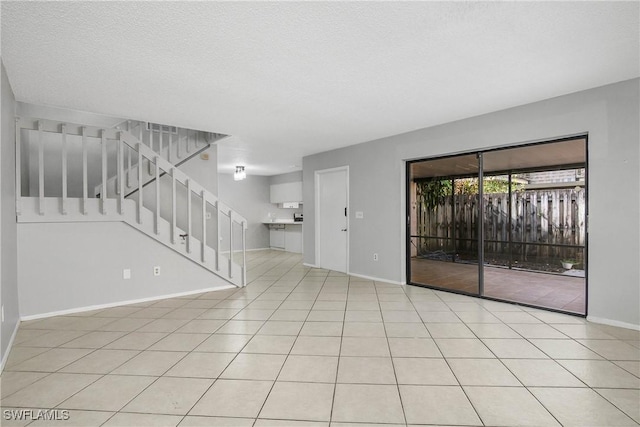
point(125, 142)
point(177, 147)
point(177, 176)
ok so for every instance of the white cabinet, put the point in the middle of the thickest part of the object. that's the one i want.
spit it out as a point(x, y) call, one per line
point(286, 192)
point(293, 239)
point(277, 236)
point(286, 236)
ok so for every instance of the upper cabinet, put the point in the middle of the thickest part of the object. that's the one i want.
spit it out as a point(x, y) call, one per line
point(286, 192)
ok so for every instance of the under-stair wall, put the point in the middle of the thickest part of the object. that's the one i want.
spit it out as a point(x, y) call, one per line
point(69, 267)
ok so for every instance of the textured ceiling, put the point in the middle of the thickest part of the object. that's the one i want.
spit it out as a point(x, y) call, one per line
point(288, 79)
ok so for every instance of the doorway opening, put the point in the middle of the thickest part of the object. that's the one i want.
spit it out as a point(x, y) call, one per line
point(506, 224)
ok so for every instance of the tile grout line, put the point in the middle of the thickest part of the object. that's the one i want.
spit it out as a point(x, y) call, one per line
point(335, 384)
point(393, 365)
point(291, 349)
point(273, 282)
point(238, 353)
point(447, 361)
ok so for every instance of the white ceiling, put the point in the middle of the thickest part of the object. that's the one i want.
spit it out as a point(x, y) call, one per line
point(288, 79)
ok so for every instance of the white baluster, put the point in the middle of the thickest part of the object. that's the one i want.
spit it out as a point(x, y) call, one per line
point(173, 205)
point(178, 150)
point(64, 169)
point(244, 255)
point(120, 173)
point(151, 147)
point(85, 181)
point(103, 193)
point(128, 151)
point(157, 216)
point(188, 216)
point(230, 245)
point(40, 169)
point(18, 168)
point(218, 236)
point(116, 187)
point(140, 160)
point(204, 223)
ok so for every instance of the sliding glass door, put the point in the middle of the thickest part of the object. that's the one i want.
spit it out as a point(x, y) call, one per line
point(521, 211)
point(443, 223)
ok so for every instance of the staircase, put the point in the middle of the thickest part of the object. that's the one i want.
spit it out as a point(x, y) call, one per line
point(175, 145)
point(62, 169)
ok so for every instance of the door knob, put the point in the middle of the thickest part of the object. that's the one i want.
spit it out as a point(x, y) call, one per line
point(344, 229)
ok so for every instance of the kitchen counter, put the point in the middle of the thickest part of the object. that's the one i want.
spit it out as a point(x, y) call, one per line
point(283, 221)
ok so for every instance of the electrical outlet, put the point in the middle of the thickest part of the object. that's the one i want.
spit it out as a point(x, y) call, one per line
point(359, 214)
point(156, 270)
point(126, 273)
point(375, 257)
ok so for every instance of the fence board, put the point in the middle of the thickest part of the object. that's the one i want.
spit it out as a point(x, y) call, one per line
point(549, 217)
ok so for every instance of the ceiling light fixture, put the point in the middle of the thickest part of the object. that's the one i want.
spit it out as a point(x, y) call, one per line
point(239, 174)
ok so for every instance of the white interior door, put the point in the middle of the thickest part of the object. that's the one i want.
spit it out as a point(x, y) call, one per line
point(331, 232)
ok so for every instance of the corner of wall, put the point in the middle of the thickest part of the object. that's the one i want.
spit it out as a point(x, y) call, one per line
point(8, 226)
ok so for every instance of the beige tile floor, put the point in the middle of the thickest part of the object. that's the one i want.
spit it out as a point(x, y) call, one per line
point(308, 347)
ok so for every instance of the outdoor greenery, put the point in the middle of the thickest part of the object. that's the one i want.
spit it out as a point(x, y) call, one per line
point(492, 184)
point(431, 192)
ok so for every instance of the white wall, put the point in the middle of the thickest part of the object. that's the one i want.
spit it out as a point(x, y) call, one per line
point(204, 172)
point(8, 226)
point(66, 266)
point(285, 178)
point(609, 114)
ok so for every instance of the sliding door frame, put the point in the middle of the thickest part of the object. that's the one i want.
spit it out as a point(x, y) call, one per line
point(480, 231)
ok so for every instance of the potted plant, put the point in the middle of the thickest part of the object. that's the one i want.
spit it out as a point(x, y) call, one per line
point(568, 263)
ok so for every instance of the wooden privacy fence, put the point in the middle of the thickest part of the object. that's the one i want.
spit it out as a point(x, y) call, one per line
point(543, 224)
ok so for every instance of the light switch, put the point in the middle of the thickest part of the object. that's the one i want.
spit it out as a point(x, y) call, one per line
point(359, 214)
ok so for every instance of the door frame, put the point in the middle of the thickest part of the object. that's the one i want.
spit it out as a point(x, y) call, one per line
point(318, 234)
point(407, 218)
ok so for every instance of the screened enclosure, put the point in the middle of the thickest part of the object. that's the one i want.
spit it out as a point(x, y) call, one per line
point(508, 224)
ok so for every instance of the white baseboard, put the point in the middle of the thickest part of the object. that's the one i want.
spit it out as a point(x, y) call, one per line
point(117, 304)
point(362, 276)
point(610, 322)
point(239, 251)
point(377, 279)
point(6, 353)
